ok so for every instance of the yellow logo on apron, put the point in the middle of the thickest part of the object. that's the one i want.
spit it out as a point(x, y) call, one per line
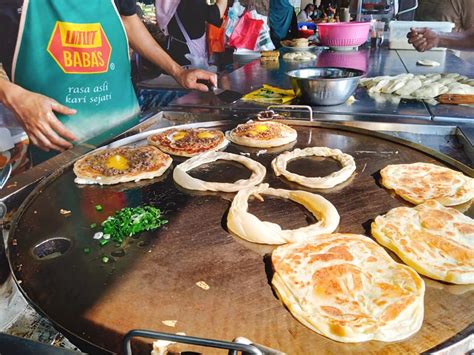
point(80, 48)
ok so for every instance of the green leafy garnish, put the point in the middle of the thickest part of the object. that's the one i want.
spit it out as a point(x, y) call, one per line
point(98, 208)
point(103, 242)
point(130, 221)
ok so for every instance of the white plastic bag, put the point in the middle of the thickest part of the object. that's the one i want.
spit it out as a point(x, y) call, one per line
point(234, 13)
point(264, 42)
point(200, 63)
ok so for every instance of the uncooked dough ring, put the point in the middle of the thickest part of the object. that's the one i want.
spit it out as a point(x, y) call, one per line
point(249, 227)
point(326, 182)
point(182, 178)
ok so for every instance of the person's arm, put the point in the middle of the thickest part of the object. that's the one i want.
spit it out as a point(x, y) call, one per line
point(215, 13)
point(222, 5)
point(35, 113)
point(424, 39)
point(141, 41)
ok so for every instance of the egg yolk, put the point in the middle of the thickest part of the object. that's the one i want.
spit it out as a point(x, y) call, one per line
point(179, 135)
point(261, 128)
point(117, 162)
point(204, 135)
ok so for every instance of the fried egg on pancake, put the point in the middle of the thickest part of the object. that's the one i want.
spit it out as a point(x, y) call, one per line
point(347, 287)
point(113, 166)
point(420, 182)
point(436, 241)
point(260, 134)
point(188, 142)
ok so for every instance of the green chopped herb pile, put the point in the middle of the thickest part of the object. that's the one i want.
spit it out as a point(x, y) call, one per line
point(130, 221)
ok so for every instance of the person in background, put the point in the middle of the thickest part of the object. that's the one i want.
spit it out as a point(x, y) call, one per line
point(424, 39)
point(187, 29)
point(328, 8)
point(460, 12)
point(318, 13)
point(306, 15)
point(282, 20)
point(70, 67)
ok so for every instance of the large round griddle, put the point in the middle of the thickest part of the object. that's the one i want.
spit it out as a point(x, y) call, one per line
point(153, 278)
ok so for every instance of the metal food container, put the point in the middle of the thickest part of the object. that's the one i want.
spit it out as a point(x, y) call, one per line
point(324, 86)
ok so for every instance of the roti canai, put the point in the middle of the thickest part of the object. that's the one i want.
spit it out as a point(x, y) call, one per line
point(113, 166)
point(436, 241)
point(262, 134)
point(347, 287)
point(188, 142)
point(420, 182)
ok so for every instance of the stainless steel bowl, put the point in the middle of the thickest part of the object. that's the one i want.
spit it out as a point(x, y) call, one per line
point(324, 86)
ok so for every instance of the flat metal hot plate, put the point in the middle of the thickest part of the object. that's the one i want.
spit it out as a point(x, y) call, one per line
point(153, 278)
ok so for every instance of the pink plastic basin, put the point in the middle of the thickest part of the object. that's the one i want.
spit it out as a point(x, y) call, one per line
point(343, 34)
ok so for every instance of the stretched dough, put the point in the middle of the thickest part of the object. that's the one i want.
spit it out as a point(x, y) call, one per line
point(249, 227)
point(181, 176)
point(326, 182)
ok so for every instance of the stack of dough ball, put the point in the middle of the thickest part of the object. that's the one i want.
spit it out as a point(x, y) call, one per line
point(299, 56)
point(419, 86)
point(269, 56)
point(346, 287)
point(300, 43)
point(436, 241)
point(249, 227)
point(420, 182)
point(181, 176)
point(326, 182)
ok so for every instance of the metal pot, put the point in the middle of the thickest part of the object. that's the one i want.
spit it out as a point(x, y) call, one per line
point(324, 86)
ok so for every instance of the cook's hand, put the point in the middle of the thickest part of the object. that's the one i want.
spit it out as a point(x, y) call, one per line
point(36, 114)
point(188, 78)
point(423, 39)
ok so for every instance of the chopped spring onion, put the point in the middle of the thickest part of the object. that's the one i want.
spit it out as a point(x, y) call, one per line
point(103, 242)
point(93, 225)
point(130, 221)
point(105, 259)
point(99, 208)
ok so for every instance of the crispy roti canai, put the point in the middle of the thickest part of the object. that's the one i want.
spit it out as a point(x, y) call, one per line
point(347, 287)
point(113, 166)
point(420, 182)
point(188, 142)
point(436, 241)
point(262, 134)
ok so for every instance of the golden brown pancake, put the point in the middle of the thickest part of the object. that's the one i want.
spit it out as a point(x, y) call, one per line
point(346, 287)
point(436, 241)
point(420, 182)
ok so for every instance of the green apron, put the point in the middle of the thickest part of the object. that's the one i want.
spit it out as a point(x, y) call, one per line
point(76, 52)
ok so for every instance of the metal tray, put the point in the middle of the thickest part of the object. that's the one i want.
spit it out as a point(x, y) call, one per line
point(153, 278)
